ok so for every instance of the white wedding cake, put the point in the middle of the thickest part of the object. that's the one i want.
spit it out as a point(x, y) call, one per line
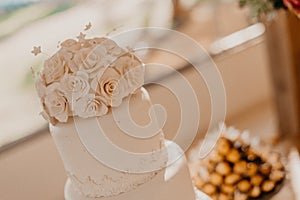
point(92, 95)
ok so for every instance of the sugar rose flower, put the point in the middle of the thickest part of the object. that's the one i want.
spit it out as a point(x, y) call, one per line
point(54, 69)
point(293, 5)
point(46, 116)
point(68, 57)
point(135, 78)
point(132, 69)
point(112, 86)
point(93, 42)
point(67, 52)
point(112, 48)
point(90, 106)
point(92, 60)
point(56, 104)
point(86, 77)
point(71, 45)
point(80, 56)
point(75, 85)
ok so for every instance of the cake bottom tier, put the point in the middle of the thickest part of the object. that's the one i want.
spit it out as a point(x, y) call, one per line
point(176, 184)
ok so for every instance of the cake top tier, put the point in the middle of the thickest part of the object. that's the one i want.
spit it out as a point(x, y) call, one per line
point(86, 77)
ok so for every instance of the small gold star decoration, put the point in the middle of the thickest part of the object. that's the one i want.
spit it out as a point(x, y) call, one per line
point(81, 36)
point(36, 50)
point(88, 26)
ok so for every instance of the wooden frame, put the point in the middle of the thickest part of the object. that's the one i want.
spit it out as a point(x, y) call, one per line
point(283, 41)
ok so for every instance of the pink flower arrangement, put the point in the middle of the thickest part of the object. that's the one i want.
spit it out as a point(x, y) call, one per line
point(293, 5)
point(260, 8)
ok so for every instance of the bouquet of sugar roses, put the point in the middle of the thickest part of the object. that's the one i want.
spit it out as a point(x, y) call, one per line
point(86, 78)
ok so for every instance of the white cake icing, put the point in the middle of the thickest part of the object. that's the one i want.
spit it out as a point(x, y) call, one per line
point(93, 178)
point(90, 179)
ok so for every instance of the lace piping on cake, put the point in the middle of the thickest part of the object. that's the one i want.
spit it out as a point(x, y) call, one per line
point(109, 186)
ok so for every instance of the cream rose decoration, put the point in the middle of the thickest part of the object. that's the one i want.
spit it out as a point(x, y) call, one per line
point(112, 86)
point(112, 48)
point(68, 58)
point(90, 106)
point(75, 85)
point(54, 69)
point(135, 78)
point(87, 77)
point(98, 57)
point(56, 104)
point(94, 41)
point(70, 45)
point(92, 60)
point(67, 52)
point(132, 69)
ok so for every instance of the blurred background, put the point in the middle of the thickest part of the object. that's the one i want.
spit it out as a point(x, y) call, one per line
point(236, 45)
point(221, 27)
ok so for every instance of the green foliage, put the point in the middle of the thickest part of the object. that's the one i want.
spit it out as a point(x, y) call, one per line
point(260, 8)
point(279, 4)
